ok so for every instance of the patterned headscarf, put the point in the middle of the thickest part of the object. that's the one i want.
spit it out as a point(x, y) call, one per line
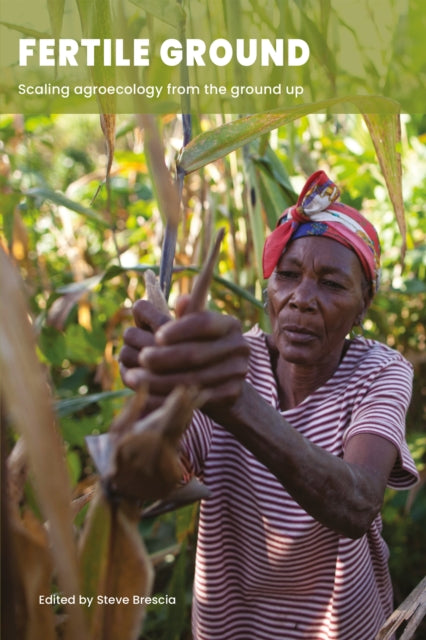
point(317, 213)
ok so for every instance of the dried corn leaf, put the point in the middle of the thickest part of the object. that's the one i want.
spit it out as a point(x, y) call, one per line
point(32, 579)
point(114, 564)
point(108, 125)
point(130, 574)
point(32, 415)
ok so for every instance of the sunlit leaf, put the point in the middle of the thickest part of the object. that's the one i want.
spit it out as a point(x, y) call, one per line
point(385, 131)
point(217, 143)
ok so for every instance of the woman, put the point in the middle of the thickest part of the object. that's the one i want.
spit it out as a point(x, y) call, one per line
point(303, 430)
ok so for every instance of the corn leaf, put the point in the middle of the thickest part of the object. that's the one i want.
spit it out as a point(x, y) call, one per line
point(32, 415)
point(94, 548)
point(381, 116)
point(29, 33)
point(275, 188)
point(115, 270)
point(56, 16)
point(43, 193)
point(108, 125)
point(130, 574)
point(115, 564)
point(168, 11)
point(217, 143)
point(254, 207)
point(72, 405)
point(32, 576)
point(385, 131)
point(97, 22)
point(176, 618)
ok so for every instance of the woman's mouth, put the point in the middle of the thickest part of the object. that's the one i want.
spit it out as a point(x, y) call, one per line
point(295, 333)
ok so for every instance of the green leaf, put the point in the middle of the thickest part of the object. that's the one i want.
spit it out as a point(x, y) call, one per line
point(176, 618)
point(217, 143)
point(273, 198)
point(80, 287)
point(317, 42)
point(97, 22)
point(72, 405)
point(114, 271)
point(43, 193)
point(56, 15)
point(275, 188)
point(385, 131)
point(254, 211)
point(84, 346)
point(29, 33)
point(168, 11)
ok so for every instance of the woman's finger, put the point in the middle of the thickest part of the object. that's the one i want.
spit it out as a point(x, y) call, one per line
point(207, 378)
point(129, 357)
point(138, 338)
point(204, 325)
point(188, 356)
point(147, 316)
point(131, 376)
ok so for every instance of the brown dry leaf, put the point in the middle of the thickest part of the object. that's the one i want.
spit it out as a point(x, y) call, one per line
point(17, 472)
point(146, 464)
point(32, 579)
point(129, 574)
point(32, 415)
point(154, 293)
point(166, 190)
point(115, 564)
point(94, 547)
point(108, 125)
point(61, 308)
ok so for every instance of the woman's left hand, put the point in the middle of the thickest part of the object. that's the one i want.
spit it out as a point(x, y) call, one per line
point(202, 349)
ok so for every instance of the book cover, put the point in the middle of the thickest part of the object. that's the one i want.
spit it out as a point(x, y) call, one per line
point(130, 132)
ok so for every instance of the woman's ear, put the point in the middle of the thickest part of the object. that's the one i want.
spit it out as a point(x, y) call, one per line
point(365, 304)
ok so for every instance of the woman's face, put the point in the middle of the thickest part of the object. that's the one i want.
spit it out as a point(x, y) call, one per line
point(316, 294)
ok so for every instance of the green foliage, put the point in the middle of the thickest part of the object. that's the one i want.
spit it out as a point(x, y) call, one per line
point(82, 261)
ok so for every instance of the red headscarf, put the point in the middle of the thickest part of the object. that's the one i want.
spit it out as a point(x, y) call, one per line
point(317, 213)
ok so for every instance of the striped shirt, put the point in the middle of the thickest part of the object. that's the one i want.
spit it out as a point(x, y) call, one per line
point(267, 570)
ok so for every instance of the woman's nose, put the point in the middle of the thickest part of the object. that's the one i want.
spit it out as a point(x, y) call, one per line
point(304, 296)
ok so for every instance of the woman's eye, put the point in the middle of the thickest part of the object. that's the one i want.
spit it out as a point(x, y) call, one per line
point(333, 284)
point(283, 273)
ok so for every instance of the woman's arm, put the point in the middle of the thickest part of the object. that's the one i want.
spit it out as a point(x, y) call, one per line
point(343, 494)
point(208, 350)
